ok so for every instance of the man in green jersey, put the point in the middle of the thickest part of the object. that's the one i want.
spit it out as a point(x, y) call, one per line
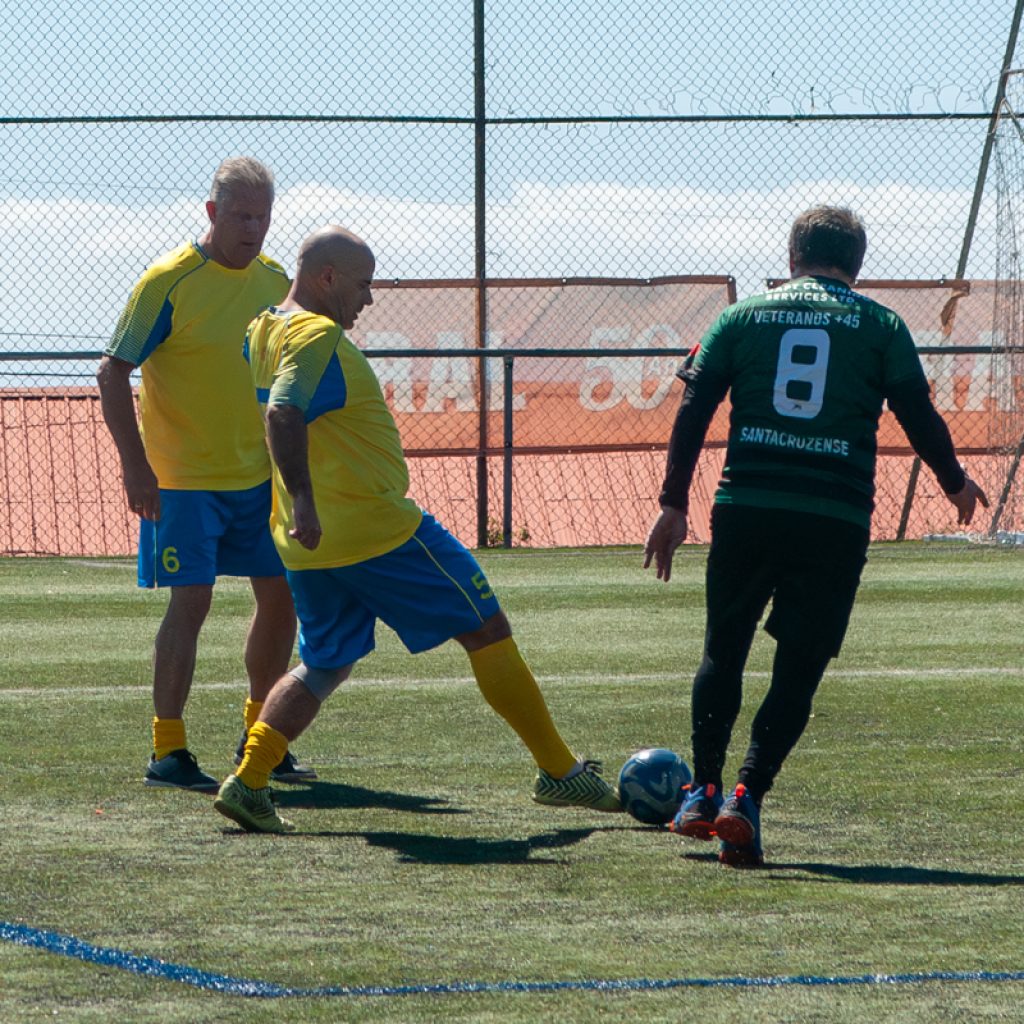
point(807, 366)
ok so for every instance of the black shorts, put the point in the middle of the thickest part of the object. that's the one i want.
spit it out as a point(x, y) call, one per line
point(807, 565)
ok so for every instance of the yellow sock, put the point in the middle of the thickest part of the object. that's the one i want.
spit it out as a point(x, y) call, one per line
point(252, 712)
point(263, 752)
point(508, 686)
point(168, 735)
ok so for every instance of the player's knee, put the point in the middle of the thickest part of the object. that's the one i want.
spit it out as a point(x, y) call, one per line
point(273, 597)
point(492, 631)
point(188, 607)
point(723, 669)
point(321, 682)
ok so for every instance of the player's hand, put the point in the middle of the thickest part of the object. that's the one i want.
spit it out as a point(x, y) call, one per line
point(307, 523)
point(142, 491)
point(966, 499)
point(667, 533)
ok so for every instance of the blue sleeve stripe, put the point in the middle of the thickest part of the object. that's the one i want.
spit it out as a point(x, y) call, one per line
point(331, 392)
point(159, 332)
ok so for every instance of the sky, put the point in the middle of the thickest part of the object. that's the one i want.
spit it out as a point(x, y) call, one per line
point(84, 207)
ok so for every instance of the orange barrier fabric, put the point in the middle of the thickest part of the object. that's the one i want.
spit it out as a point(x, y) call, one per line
point(588, 430)
point(598, 399)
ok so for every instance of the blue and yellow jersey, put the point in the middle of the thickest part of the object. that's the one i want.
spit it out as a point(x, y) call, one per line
point(184, 326)
point(358, 471)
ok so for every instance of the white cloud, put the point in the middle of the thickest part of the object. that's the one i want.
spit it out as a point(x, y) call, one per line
point(69, 264)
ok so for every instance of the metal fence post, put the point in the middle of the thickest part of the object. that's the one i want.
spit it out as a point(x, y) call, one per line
point(506, 468)
point(972, 216)
point(480, 246)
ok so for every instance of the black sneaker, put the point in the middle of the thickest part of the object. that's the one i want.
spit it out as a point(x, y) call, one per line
point(288, 770)
point(179, 770)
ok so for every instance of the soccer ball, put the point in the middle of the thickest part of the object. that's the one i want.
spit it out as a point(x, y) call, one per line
point(651, 783)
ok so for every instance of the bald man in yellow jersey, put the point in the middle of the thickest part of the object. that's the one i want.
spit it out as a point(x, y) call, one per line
point(357, 549)
point(196, 470)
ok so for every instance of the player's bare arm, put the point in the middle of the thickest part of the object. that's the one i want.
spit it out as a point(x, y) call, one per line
point(118, 405)
point(667, 533)
point(289, 448)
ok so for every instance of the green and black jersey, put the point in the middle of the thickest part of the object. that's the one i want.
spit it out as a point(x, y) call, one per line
point(808, 366)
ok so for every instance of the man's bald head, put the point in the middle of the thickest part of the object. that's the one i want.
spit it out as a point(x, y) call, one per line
point(332, 246)
point(334, 273)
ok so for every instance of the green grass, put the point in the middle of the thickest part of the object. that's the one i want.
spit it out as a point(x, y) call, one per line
point(895, 836)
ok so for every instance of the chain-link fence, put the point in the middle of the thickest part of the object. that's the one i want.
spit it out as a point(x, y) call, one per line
point(474, 143)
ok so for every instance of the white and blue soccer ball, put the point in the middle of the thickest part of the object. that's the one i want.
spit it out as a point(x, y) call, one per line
point(651, 785)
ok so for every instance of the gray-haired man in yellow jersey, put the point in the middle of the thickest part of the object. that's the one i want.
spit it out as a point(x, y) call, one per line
point(357, 549)
point(196, 470)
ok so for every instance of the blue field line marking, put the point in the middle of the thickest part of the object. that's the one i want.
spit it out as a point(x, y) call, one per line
point(68, 945)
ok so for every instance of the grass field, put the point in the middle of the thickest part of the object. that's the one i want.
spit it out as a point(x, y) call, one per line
point(895, 836)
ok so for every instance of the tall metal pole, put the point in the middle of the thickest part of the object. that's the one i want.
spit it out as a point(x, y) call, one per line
point(506, 462)
point(972, 216)
point(990, 138)
point(480, 273)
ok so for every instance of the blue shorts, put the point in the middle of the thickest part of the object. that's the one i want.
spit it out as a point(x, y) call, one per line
point(201, 535)
point(428, 590)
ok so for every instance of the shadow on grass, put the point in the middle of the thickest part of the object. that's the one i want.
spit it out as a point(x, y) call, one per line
point(876, 874)
point(893, 874)
point(414, 848)
point(423, 849)
point(337, 794)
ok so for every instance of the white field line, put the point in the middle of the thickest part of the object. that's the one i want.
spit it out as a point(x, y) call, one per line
point(65, 692)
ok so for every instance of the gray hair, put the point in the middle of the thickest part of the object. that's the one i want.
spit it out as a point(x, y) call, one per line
point(240, 171)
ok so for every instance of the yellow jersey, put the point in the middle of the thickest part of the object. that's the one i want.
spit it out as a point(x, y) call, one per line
point(184, 325)
point(356, 464)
